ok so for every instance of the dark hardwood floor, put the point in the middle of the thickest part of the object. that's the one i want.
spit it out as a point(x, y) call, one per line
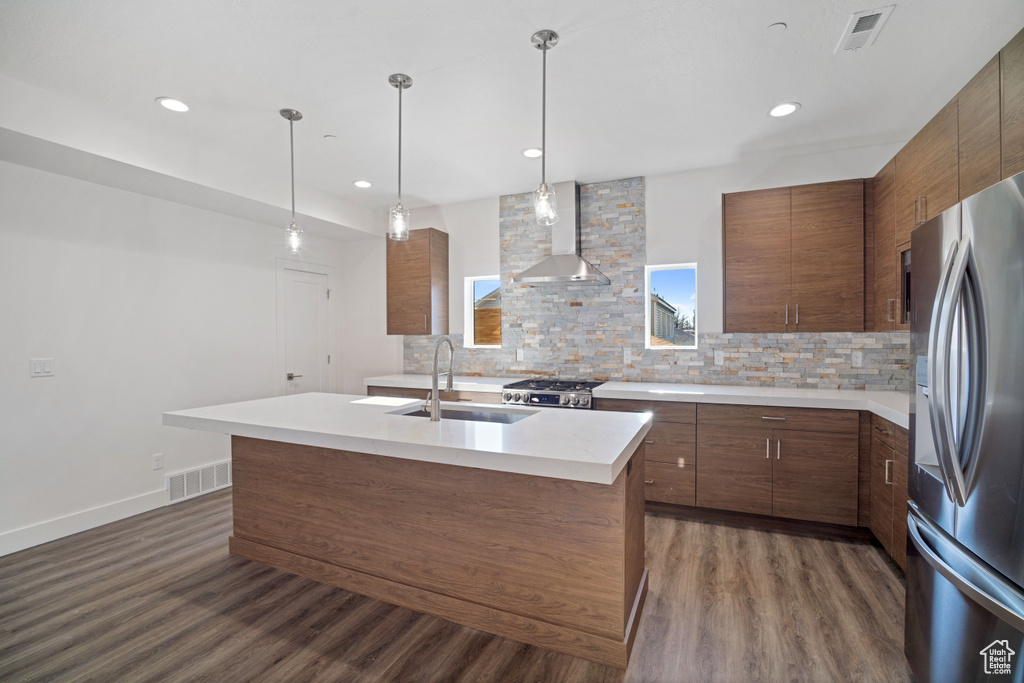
point(157, 598)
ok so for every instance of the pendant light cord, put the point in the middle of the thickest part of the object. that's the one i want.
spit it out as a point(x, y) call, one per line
point(400, 88)
point(291, 142)
point(544, 117)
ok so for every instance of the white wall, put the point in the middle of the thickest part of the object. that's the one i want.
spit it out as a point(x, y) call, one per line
point(147, 306)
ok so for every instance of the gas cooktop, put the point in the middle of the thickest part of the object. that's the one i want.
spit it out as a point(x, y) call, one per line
point(556, 393)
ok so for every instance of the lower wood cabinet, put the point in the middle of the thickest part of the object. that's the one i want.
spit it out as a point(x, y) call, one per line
point(781, 472)
point(670, 482)
point(889, 465)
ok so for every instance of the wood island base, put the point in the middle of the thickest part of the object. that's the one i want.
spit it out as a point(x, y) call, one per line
point(549, 562)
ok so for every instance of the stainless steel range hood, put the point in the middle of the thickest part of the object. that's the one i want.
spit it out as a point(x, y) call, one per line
point(565, 265)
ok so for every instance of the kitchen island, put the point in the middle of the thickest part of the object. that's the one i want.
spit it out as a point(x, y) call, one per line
point(530, 527)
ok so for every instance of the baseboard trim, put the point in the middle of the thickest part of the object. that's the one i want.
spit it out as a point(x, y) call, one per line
point(51, 530)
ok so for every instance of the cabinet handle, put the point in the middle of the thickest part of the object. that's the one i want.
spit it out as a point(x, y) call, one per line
point(888, 308)
point(767, 417)
point(798, 314)
point(424, 321)
point(778, 449)
point(916, 211)
point(648, 481)
point(888, 476)
point(768, 448)
point(924, 207)
point(883, 431)
point(649, 441)
point(787, 314)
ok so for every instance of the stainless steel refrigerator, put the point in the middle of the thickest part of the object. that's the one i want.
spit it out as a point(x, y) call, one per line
point(965, 553)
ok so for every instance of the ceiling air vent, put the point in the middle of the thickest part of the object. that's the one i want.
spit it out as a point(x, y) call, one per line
point(863, 28)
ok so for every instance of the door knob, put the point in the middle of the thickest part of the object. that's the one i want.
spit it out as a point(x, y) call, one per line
point(292, 375)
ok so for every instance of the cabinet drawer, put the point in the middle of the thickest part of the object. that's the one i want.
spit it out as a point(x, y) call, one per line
point(752, 417)
point(667, 483)
point(664, 411)
point(883, 430)
point(670, 442)
point(901, 441)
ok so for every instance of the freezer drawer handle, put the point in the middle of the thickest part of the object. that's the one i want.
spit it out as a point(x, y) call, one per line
point(984, 586)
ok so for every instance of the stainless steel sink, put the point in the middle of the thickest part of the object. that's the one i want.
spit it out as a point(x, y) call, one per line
point(501, 417)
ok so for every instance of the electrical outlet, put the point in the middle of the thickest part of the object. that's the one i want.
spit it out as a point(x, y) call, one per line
point(519, 354)
point(858, 359)
point(158, 461)
point(719, 357)
point(627, 355)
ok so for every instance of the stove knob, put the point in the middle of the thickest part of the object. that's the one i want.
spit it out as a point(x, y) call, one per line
point(516, 397)
point(575, 400)
point(584, 401)
point(565, 400)
point(508, 397)
point(526, 398)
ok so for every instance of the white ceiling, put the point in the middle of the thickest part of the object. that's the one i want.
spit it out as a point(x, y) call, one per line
point(635, 87)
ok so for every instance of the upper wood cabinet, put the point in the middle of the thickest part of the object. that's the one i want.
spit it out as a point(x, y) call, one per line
point(417, 283)
point(757, 248)
point(884, 245)
point(927, 173)
point(978, 106)
point(794, 258)
point(828, 257)
point(1011, 62)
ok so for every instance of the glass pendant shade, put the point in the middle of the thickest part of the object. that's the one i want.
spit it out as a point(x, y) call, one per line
point(398, 223)
point(294, 238)
point(545, 204)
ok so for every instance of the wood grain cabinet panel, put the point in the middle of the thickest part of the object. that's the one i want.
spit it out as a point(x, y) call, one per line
point(1011, 64)
point(828, 257)
point(899, 510)
point(663, 411)
point(927, 173)
point(774, 417)
point(670, 483)
point(417, 283)
point(671, 443)
point(814, 476)
point(756, 247)
point(884, 245)
point(734, 469)
point(882, 458)
point(978, 106)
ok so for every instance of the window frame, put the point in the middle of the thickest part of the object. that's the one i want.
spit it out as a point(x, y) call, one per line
point(469, 328)
point(648, 269)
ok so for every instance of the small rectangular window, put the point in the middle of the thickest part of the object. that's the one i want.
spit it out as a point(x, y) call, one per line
point(483, 311)
point(671, 315)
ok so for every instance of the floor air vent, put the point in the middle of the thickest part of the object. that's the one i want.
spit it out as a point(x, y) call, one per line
point(184, 485)
point(863, 28)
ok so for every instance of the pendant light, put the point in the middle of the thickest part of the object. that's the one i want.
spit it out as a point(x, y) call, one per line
point(398, 221)
point(294, 231)
point(545, 202)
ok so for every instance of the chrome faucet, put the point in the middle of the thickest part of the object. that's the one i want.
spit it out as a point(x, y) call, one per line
point(435, 401)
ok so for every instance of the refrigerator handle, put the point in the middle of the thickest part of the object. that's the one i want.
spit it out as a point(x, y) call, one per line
point(970, 575)
point(950, 456)
point(939, 339)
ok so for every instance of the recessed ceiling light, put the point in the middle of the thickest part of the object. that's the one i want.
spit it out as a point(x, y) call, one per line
point(784, 109)
point(172, 104)
point(776, 29)
point(362, 183)
point(330, 137)
point(532, 152)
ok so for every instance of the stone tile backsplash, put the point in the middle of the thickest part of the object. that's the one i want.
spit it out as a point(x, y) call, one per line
point(587, 331)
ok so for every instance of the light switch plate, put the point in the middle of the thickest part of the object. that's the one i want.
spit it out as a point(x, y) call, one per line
point(858, 359)
point(158, 461)
point(719, 357)
point(519, 354)
point(41, 367)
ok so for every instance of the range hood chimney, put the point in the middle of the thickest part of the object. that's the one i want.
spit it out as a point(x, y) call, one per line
point(565, 265)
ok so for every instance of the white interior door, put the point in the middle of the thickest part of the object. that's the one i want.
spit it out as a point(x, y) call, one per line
point(306, 332)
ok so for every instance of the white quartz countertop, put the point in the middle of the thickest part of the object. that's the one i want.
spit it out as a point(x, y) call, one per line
point(459, 382)
point(891, 405)
point(579, 445)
